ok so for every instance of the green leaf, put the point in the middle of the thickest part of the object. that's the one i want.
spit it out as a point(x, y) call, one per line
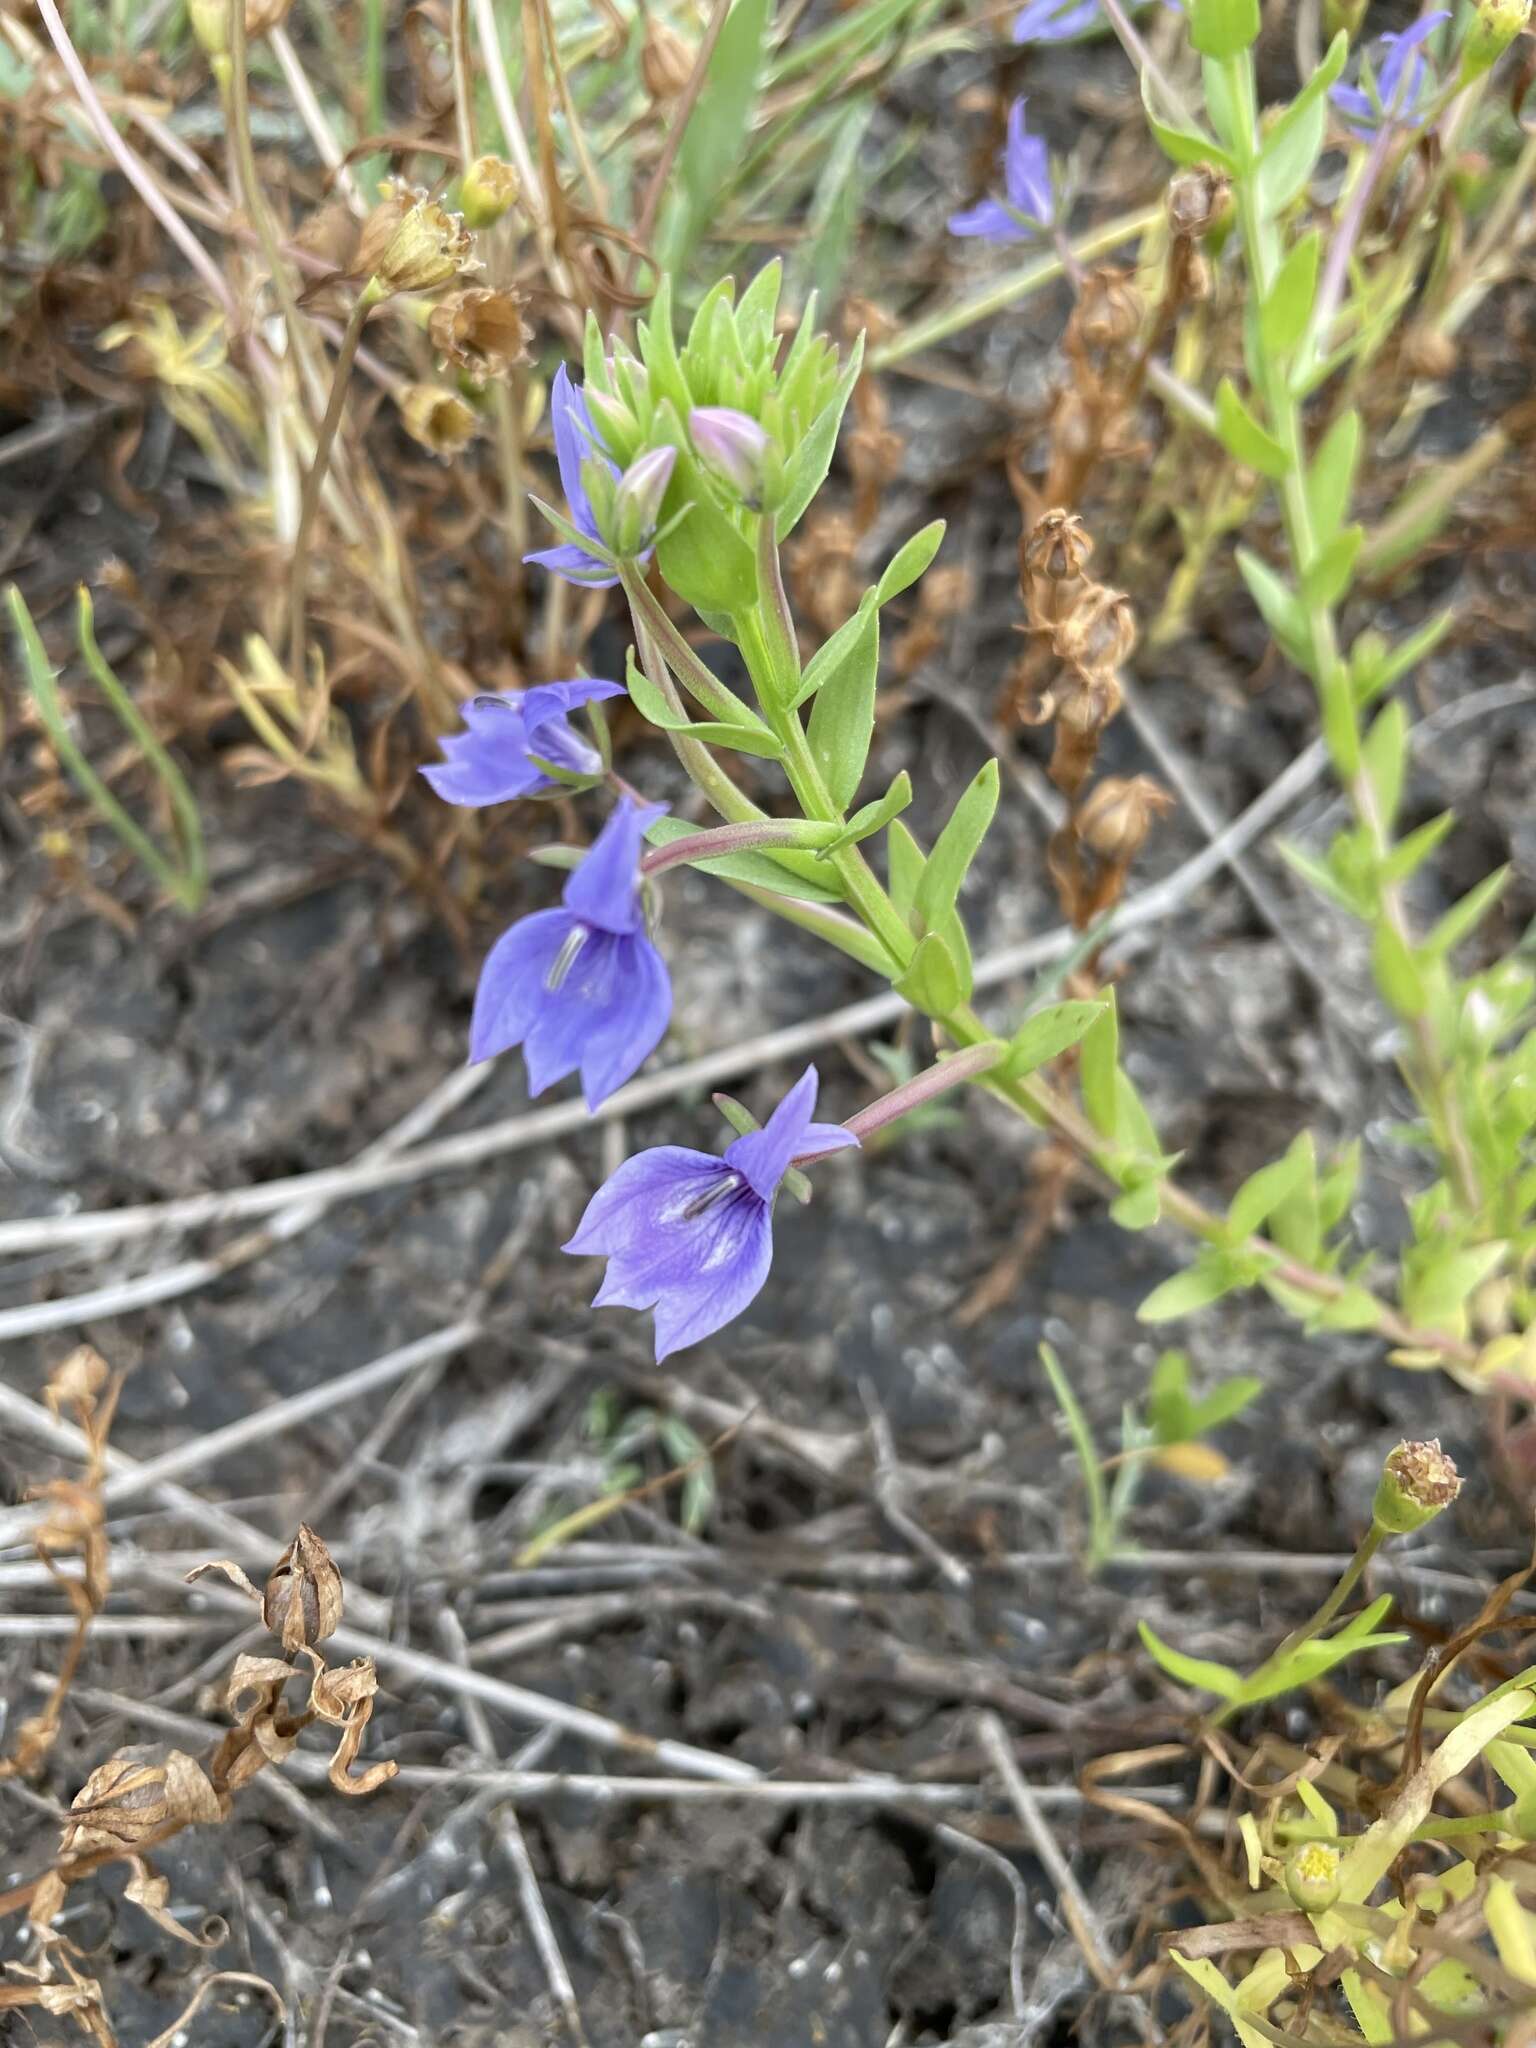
point(705, 560)
point(1375, 668)
point(1242, 436)
point(751, 736)
point(759, 304)
point(843, 716)
point(932, 982)
point(1437, 1286)
point(1285, 312)
point(1409, 854)
point(1319, 876)
point(721, 120)
point(1384, 756)
point(762, 870)
point(1225, 1401)
point(1336, 1190)
point(1331, 476)
point(872, 818)
point(956, 847)
point(1464, 917)
point(1355, 1309)
point(1290, 152)
point(1207, 1280)
point(1397, 972)
point(1328, 578)
point(1199, 1672)
point(1281, 607)
point(909, 562)
point(1262, 1193)
point(1295, 1223)
point(1181, 144)
point(1046, 1035)
point(1098, 1068)
point(1223, 28)
point(806, 470)
point(1170, 1411)
point(846, 645)
point(1138, 1209)
point(1226, 116)
point(904, 869)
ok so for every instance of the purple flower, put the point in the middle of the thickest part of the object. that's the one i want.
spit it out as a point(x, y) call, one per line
point(1057, 21)
point(1393, 94)
point(690, 1235)
point(574, 442)
point(581, 986)
point(1027, 180)
point(1054, 21)
point(505, 737)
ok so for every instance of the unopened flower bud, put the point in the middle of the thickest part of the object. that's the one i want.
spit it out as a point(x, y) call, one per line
point(1116, 815)
point(413, 248)
point(733, 448)
point(1057, 546)
point(637, 502)
point(1312, 1876)
point(1098, 633)
point(1197, 198)
point(1109, 309)
point(1417, 1481)
point(135, 1798)
point(301, 1604)
point(666, 61)
point(438, 419)
point(479, 331)
point(1495, 24)
point(487, 190)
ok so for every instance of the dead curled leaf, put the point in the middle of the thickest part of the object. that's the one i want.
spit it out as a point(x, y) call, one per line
point(149, 1891)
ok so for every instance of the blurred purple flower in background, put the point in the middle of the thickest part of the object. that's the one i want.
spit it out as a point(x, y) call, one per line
point(574, 442)
point(1058, 21)
point(1398, 74)
point(581, 986)
point(1030, 205)
point(690, 1235)
point(493, 759)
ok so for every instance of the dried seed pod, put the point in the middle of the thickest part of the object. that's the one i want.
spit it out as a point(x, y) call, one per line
point(1098, 633)
point(410, 243)
point(1057, 546)
point(488, 189)
point(438, 419)
point(1109, 309)
point(1418, 1480)
point(1197, 199)
point(666, 61)
point(139, 1796)
point(1115, 817)
point(77, 1382)
point(302, 1601)
point(480, 331)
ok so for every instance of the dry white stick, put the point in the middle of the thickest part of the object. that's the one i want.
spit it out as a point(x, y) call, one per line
point(515, 1848)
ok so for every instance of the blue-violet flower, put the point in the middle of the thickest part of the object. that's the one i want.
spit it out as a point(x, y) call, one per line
point(1057, 21)
point(1030, 205)
point(690, 1235)
point(507, 734)
point(575, 441)
point(1398, 82)
point(581, 986)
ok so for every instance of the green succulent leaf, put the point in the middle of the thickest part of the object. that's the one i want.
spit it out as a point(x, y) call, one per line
point(1202, 1673)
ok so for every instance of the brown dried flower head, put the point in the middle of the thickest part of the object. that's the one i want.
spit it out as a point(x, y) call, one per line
point(77, 1382)
point(1197, 199)
point(438, 419)
point(411, 243)
point(136, 1797)
point(1098, 633)
point(302, 1601)
point(1418, 1480)
point(488, 189)
point(1057, 546)
point(666, 61)
point(1116, 816)
point(480, 331)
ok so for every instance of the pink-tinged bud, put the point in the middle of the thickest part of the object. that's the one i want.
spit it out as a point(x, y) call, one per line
point(637, 504)
point(733, 448)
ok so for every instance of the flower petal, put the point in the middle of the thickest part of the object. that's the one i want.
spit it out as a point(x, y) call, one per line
point(991, 220)
point(1027, 169)
point(622, 1037)
point(731, 1276)
point(605, 890)
point(764, 1156)
point(622, 1211)
point(575, 565)
point(1054, 21)
point(511, 990)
